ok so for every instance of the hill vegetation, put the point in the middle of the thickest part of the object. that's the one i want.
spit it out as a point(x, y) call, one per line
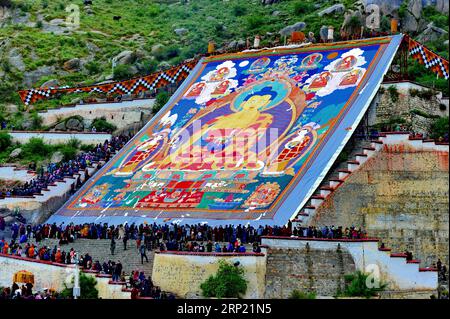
point(141, 36)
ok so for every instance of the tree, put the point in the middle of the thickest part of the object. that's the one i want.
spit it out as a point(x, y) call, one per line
point(161, 99)
point(5, 141)
point(229, 282)
point(101, 125)
point(439, 128)
point(356, 285)
point(87, 288)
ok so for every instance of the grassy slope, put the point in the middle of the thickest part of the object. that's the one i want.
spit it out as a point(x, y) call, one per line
point(155, 22)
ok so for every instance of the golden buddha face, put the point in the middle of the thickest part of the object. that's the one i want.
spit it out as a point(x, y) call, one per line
point(256, 102)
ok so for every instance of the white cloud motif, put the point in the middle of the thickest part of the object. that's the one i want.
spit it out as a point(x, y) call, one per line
point(337, 77)
point(211, 86)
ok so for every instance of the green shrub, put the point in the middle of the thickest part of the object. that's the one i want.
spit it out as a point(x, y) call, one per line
point(229, 282)
point(254, 22)
point(393, 93)
point(87, 288)
point(423, 114)
point(101, 125)
point(439, 128)
point(68, 152)
point(5, 141)
point(239, 10)
point(297, 294)
point(161, 99)
point(356, 286)
point(36, 146)
point(122, 72)
point(93, 67)
point(302, 7)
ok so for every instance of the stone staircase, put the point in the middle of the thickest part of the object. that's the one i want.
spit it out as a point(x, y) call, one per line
point(392, 140)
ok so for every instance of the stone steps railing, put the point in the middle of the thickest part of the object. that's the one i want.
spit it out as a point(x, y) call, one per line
point(392, 141)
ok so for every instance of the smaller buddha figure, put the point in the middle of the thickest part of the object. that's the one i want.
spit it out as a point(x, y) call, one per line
point(221, 89)
point(258, 66)
point(219, 75)
point(311, 61)
point(196, 90)
point(345, 64)
point(141, 154)
point(350, 78)
point(320, 81)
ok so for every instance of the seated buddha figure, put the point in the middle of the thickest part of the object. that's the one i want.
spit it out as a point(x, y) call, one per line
point(346, 63)
point(222, 142)
point(140, 154)
point(196, 90)
point(320, 81)
point(219, 75)
point(221, 88)
point(350, 78)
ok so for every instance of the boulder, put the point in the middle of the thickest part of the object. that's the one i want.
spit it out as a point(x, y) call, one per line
point(30, 78)
point(232, 45)
point(241, 44)
point(413, 14)
point(15, 59)
point(276, 13)
point(287, 31)
point(50, 83)
point(60, 127)
point(157, 48)
point(72, 64)
point(337, 8)
point(125, 57)
point(323, 33)
point(57, 157)
point(74, 124)
point(181, 31)
point(57, 22)
point(431, 33)
point(15, 153)
point(442, 6)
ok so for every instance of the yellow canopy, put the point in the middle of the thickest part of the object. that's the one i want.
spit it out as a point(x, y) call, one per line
point(24, 276)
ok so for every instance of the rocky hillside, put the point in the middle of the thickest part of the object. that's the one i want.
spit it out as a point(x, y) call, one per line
point(37, 45)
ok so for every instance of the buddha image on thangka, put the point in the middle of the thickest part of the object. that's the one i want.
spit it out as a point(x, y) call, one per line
point(225, 136)
point(237, 136)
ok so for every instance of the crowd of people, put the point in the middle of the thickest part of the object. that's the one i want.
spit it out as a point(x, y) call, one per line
point(26, 292)
point(58, 171)
point(142, 286)
point(330, 232)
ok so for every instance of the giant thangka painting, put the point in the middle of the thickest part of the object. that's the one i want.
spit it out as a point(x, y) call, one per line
point(246, 138)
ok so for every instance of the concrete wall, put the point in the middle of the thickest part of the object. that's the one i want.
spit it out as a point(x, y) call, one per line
point(399, 195)
point(120, 114)
point(398, 274)
point(61, 137)
point(10, 173)
point(182, 273)
point(53, 276)
point(308, 270)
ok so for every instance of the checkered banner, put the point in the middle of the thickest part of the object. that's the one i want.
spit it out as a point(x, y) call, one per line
point(428, 58)
point(133, 86)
